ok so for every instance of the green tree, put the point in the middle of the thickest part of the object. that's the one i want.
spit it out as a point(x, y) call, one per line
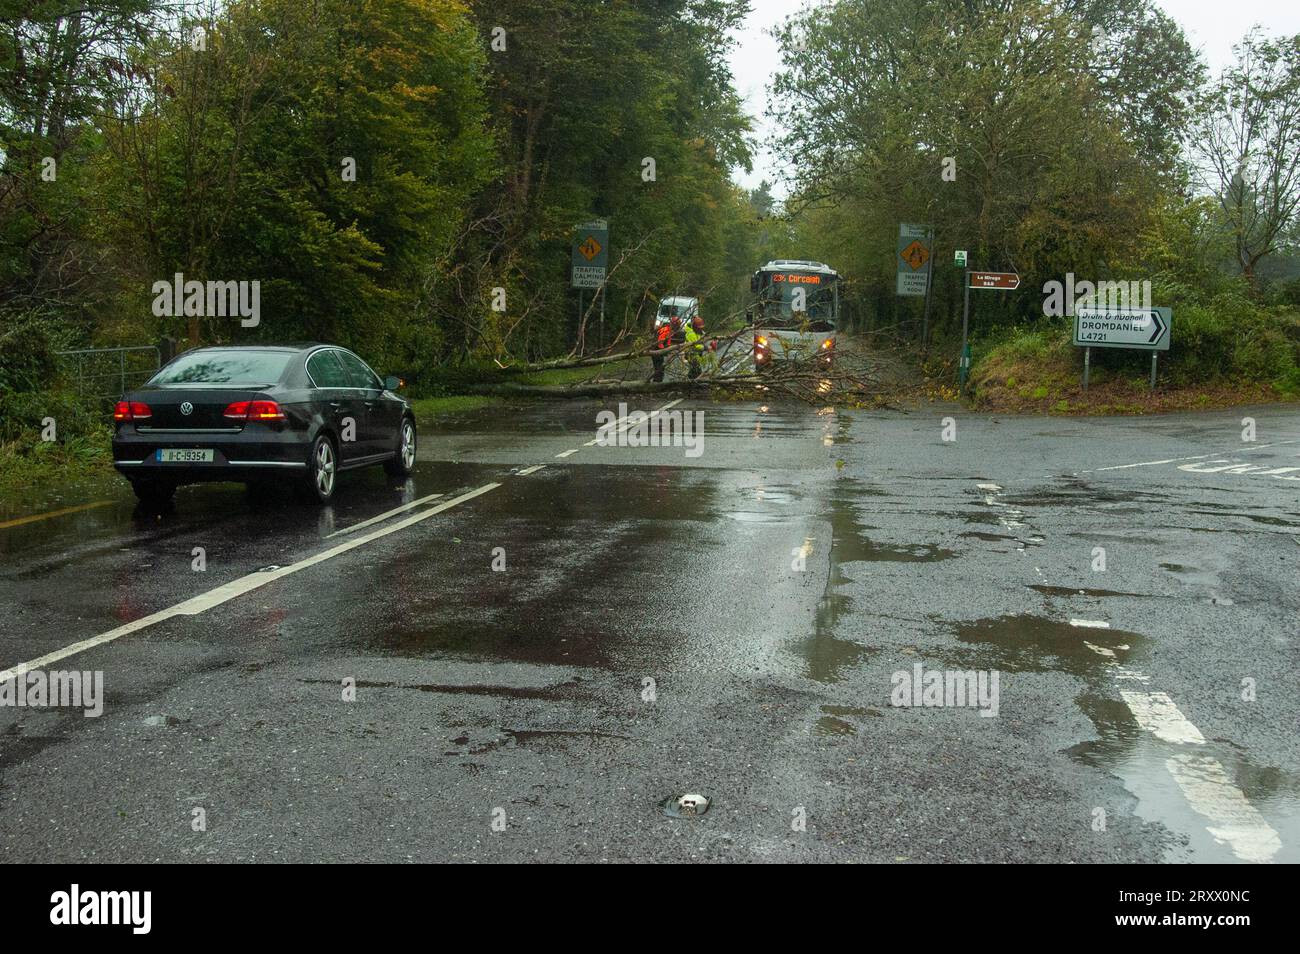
point(1025, 101)
point(1247, 144)
point(328, 151)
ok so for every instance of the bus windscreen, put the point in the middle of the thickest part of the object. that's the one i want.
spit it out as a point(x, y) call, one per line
point(784, 290)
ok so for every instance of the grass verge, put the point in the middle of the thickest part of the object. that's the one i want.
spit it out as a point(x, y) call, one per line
point(1038, 369)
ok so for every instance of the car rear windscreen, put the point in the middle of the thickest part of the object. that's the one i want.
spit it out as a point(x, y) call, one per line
point(228, 368)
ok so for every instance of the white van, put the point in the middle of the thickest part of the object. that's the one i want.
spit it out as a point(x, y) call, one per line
point(676, 306)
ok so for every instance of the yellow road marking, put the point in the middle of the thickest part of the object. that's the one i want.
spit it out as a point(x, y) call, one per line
point(19, 521)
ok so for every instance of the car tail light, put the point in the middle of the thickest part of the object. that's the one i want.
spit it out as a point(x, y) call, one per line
point(132, 411)
point(253, 411)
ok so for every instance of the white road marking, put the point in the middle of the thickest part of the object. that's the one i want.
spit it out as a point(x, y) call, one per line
point(1147, 463)
point(627, 421)
point(228, 591)
point(252, 581)
point(529, 470)
point(1156, 713)
point(1193, 468)
point(1090, 623)
point(622, 424)
point(1209, 790)
point(383, 516)
point(1204, 781)
point(990, 492)
point(1223, 465)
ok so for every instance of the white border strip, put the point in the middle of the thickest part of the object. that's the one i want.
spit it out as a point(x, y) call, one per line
point(228, 591)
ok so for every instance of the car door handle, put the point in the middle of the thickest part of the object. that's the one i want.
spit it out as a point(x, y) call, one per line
point(336, 404)
point(372, 404)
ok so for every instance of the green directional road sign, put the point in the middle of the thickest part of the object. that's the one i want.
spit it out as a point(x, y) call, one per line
point(590, 254)
point(1147, 329)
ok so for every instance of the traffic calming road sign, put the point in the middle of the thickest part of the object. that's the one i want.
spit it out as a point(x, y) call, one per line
point(1147, 328)
point(916, 255)
point(913, 262)
point(590, 254)
point(1004, 280)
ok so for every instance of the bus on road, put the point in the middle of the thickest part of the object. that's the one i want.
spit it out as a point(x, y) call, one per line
point(794, 312)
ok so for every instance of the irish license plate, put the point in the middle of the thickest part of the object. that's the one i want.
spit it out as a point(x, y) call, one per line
point(183, 455)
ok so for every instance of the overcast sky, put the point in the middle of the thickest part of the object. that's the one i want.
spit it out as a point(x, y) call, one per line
point(1212, 26)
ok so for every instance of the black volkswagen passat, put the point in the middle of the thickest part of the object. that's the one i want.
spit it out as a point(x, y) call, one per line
point(300, 413)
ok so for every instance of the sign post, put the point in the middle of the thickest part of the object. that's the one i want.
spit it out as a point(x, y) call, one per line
point(1145, 329)
point(915, 243)
point(962, 367)
point(1000, 281)
point(590, 254)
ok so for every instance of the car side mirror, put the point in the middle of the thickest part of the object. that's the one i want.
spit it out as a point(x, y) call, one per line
point(392, 383)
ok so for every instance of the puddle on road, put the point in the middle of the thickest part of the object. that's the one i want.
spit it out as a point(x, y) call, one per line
point(836, 722)
point(850, 543)
point(1024, 643)
point(1072, 491)
point(1257, 518)
point(828, 653)
point(564, 690)
point(832, 726)
point(1079, 591)
point(825, 654)
point(851, 711)
point(534, 642)
point(1144, 764)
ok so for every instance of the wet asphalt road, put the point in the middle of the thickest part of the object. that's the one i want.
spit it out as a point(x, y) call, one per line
point(730, 624)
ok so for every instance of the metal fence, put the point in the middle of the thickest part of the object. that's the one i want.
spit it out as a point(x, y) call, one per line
point(107, 372)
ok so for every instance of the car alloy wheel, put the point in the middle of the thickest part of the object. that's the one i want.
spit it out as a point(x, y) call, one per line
point(402, 463)
point(408, 445)
point(324, 469)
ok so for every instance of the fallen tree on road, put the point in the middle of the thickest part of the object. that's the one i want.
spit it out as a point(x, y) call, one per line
point(728, 370)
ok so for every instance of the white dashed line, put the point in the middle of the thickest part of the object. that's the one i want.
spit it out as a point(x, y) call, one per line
point(1156, 713)
point(1146, 463)
point(529, 470)
point(622, 424)
point(1090, 623)
point(228, 591)
point(1209, 790)
point(1204, 781)
point(383, 516)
